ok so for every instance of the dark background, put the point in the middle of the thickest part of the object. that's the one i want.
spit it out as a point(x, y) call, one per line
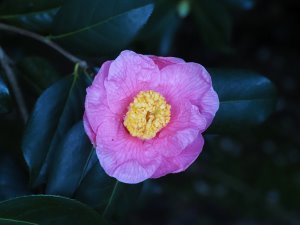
point(253, 177)
point(243, 179)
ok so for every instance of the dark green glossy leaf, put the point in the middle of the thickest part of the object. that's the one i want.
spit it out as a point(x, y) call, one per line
point(35, 15)
point(76, 172)
point(55, 112)
point(13, 180)
point(160, 30)
point(47, 209)
point(246, 99)
point(100, 27)
point(106, 194)
point(5, 99)
point(38, 72)
point(214, 23)
point(96, 188)
point(71, 162)
point(4, 221)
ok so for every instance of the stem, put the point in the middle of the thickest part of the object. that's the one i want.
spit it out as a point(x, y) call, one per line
point(106, 210)
point(11, 77)
point(45, 41)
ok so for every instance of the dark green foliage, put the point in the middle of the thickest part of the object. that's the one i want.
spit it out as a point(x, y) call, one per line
point(48, 209)
point(35, 15)
point(246, 100)
point(4, 221)
point(213, 22)
point(51, 160)
point(100, 27)
point(106, 194)
point(55, 118)
point(38, 73)
point(5, 98)
point(13, 179)
point(68, 170)
point(160, 30)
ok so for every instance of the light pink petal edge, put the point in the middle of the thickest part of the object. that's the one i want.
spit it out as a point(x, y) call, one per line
point(182, 161)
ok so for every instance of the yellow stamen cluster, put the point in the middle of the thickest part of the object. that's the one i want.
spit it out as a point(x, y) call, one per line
point(147, 115)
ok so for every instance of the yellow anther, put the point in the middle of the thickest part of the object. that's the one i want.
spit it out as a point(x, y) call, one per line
point(147, 114)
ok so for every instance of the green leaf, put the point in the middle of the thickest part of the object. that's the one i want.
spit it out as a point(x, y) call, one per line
point(55, 112)
point(14, 222)
point(73, 159)
point(160, 30)
point(13, 180)
point(5, 99)
point(106, 194)
point(47, 209)
point(35, 15)
point(246, 100)
point(96, 188)
point(214, 23)
point(76, 172)
point(38, 73)
point(100, 27)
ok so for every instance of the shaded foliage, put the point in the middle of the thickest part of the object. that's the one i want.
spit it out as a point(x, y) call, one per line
point(242, 175)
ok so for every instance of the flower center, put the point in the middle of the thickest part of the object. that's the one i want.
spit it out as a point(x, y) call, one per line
point(147, 115)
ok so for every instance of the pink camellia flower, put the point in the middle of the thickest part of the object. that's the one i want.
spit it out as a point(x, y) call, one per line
point(145, 115)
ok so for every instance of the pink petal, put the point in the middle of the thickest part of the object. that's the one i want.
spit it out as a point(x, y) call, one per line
point(96, 98)
point(191, 82)
point(129, 74)
point(209, 105)
point(182, 130)
point(132, 172)
point(182, 161)
point(189, 155)
point(162, 62)
point(88, 129)
point(187, 88)
point(121, 155)
point(187, 81)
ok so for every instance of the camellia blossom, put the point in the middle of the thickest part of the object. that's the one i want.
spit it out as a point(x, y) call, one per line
point(145, 115)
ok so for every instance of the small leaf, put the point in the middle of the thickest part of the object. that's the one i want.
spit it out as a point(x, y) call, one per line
point(71, 163)
point(38, 72)
point(106, 194)
point(246, 99)
point(160, 30)
point(55, 112)
point(100, 27)
point(76, 172)
point(47, 209)
point(13, 180)
point(214, 23)
point(96, 188)
point(35, 15)
point(5, 99)
point(14, 222)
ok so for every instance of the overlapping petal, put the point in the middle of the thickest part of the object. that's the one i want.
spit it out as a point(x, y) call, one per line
point(182, 161)
point(186, 122)
point(96, 99)
point(162, 62)
point(129, 74)
point(118, 151)
point(186, 87)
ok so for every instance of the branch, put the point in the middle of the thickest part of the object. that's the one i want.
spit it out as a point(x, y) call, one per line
point(45, 41)
point(11, 77)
